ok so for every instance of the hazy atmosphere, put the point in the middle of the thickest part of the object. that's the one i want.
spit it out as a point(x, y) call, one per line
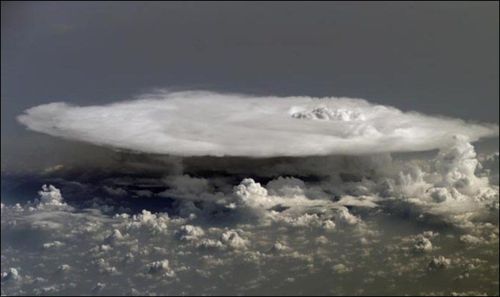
point(217, 148)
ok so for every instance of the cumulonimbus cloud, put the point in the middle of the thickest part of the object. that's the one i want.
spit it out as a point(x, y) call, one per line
point(195, 123)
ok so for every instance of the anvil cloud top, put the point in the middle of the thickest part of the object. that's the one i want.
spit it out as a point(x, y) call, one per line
point(195, 123)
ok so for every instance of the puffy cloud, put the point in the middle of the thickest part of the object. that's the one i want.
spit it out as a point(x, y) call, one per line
point(11, 275)
point(457, 164)
point(248, 188)
point(279, 247)
point(51, 245)
point(205, 123)
point(422, 243)
point(489, 167)
point(439, 262)
point(471, 239)
point(207, 243)
point(155, 222)
point(114, 237)
point(343, 216)
point(359, 201)
point(286, 186)
point(440, 194)
point(341, 268)
point(103, 265)
point(232, 239)
point(325, 113)
point(98, 287)
point(328, 225)
point(447, 187)
point(237, 224)
point(160, 267)
point(190, 232)
point(63, 268)
point(253, 194)
point(143, 251)
point(50, 196)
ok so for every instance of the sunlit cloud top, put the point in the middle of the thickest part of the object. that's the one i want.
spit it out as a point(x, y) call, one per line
point(195, 123)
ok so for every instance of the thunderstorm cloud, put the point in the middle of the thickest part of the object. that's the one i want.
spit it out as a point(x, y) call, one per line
point(249, 195)
point(195, 123)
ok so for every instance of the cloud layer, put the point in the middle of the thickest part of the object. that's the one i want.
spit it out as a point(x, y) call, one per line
point(312, 247)
point(351, 219)
point(337, 225)
point(212, 124)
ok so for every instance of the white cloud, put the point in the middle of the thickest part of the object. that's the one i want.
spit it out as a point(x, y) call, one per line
point(98, 287)
point(51, 245)
point(343, 216)
point(317, 217)
point(142, 253)
point(156, 223)
point(11, 275)
point(232, 239)
point(63, 268)
point(286, 186)
point(205, 123)
point(190, 232)
point(341, 268)
point(160, 267)
point(50, 196)
point(115, 237)
point(471, 239)
point(439, 262)
point(422, 244)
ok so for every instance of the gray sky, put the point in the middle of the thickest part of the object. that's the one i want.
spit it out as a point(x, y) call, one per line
point(439, 58)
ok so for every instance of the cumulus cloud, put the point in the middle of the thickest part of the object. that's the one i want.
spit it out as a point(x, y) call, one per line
point(11, 275)
point(439, 262)
point(233, 239)
point(154, 253)
point(326, 199)
point(190, 232)
point(162, 267)
point(50, 196)
point(156, 223)
point(422, 244)
point(341, 268)
point(205, 123)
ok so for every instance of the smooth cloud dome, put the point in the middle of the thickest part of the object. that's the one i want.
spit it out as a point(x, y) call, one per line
point(206, 123)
